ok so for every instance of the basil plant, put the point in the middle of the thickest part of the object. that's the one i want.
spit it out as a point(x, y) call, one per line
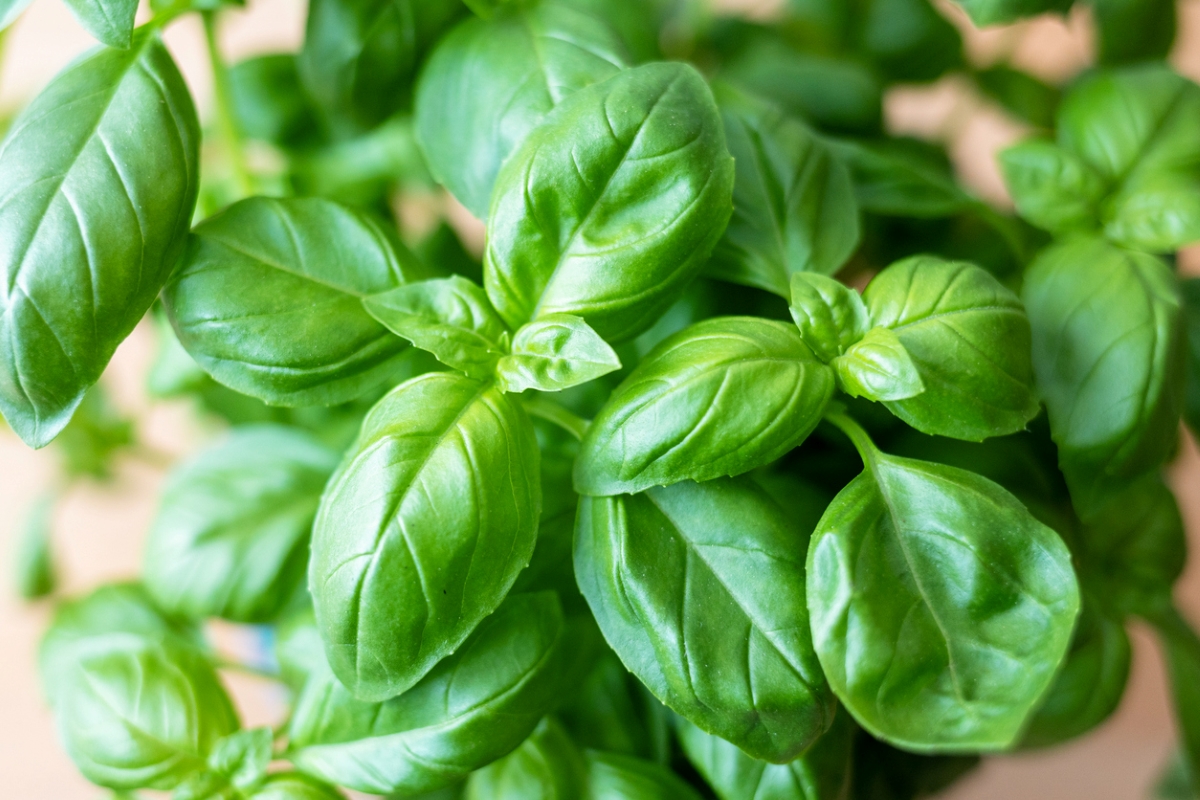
point(750, 457)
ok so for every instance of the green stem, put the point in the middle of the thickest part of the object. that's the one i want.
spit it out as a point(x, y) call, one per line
point(859, 437)
point(226, 120)
point(554, 413)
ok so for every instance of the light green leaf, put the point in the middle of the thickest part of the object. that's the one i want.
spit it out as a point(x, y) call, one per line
point(1134, 30)
point(615, 776)
point(821, 773)
point(489, 83)
point(36, 576)
point(878, 367)
point(268, 300)
point(1052, 187)
point(684, 413)
point(242, 757)
point(969, 338)
point(562, 235)
point(472, 708)
point(830, 315)
point(671, 577)
point(423, 529)
point(555, 352)
point(941, 608)
point(294, 786)
point(98, 179)
point(794, 207)
point(110, 21)
point(449, 317)
point(992, 12)
point(547, 766)
point(231, 536)
point(1108, 349)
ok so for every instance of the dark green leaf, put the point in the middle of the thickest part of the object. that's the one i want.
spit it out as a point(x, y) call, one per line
point(969, 338)
point(940, 608)
point(909, 40)
point(231, 536)
point(821, 773)
point(637, 22)
point(268, 300)
point(423, 529)
point(830, 315)
point(35, 574)
point(1189, 290)
point(672, 577)
point(1108, 349)
point(362, 171)
point(623, 778)
point(1052, 187)
point(902, 177)
point(449, 317)
point(1020, 94)
point(488, 84)
point(99, 178)
point(555, 352)
point(548, 766)
point(1134, 30)
point(612, 711)
point(562, 234)
point(269, 102)
point(472, 708)
point(992, 12)
point(110, 21)
point(682, 414)
point(878, 367)
point(1181, 647)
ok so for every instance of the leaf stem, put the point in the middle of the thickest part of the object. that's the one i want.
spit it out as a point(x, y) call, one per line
point(555, 414)
point(858, 437)
point(226, 120)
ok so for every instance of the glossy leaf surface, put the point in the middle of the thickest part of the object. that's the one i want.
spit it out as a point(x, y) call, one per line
point(563, 236)
point(878, 367)
point(682, 414)
point(99, 178)
point(555, 352)
point(699, 588)
point(422, 530)
point(830, 315)
point(110, 21)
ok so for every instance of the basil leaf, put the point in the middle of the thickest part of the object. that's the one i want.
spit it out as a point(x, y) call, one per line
point(821, 773)
point(670, 577)
point(547, 766)
point(472, 708)
point(268, 300)
point(1108, 351)
point(1134, 30)
point(555, 352)
point(99, 178)
point(243, 757)
point(636, 22)
point(36, 576)
point(1189, 290)
point(11, 10)
point(878, 367)
point(612, 711)
point(293, 786)
point(94, 437)
point(488, 84)
point(940, 608)
point(269, 102)
point(615, 776)
point(561, 237)
point(231, 536)
point(830, 315)
point(968, 336)
point(1021, 94)
point(360, 56)
point(909, 40)
point(449, 317)
point(110, 21)
point(1182, 650)
point(422, 530)
point(902, 177)
point(1133, 127)
point(1089, 684)
point(1052, 187)
point(793, 201)
point(681, 414)
point(992, 12)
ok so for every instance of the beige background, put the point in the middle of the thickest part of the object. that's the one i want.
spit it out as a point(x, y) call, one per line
point(99, 529)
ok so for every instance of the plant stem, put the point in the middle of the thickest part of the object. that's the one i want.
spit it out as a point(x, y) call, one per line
point(859, 437)
point(554, 413)
point(226, 121)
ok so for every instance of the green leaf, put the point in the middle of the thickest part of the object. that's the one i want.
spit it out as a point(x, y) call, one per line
point(422, 530)
point(1181, 647)
point(242, 757)
point(11, 10)
point(1134, 30)
point(1020, 94)
point(684, 413)
point(562, 234)
point(1089, 684)
point(1052, 187)
point(449, 317)
point(99, 178)
point(294, 786)
point(878, 367)
point(472, 708)
point(268, 298)
point(360, 56)
point(794, 208)
point(269, 102)
point(615, 776)
point(36, 576)
point(1189, 291)
point(672, 575)
point(110, 21)
point(908, 40)
point(555, 352)
point(940, 608)
point(231, 536)
point(993, 12)
point(903, 178)
point(637, 22)
point(821, 773)
point(968, 336)
point(830, 315)
point(489, 83)
point(94, 437)
point(548, 766)
point(363, 171)
point(1108, 350)
point(1134, 127)
point(612, 711)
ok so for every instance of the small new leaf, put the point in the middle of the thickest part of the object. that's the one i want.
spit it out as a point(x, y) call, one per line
point(878, 368)
point(242, 758)
point(449, 317)
point(555, 352)
point(831, 316)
